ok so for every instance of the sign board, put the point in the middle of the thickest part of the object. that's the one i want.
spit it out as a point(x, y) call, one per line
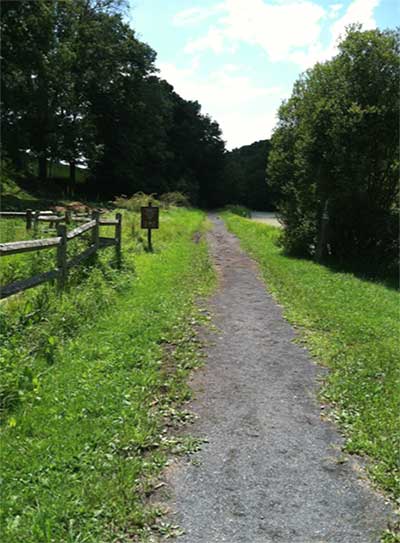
point(149, 217)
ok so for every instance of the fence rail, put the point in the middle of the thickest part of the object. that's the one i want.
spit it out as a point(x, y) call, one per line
point(61, 243)
point(33, 217)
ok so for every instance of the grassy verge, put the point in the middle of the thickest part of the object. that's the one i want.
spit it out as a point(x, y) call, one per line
point(352, 326)
point(84, 437)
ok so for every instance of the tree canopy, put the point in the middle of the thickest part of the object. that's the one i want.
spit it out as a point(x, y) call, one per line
point(78, 86)
point(335, 149)
point(245, 181)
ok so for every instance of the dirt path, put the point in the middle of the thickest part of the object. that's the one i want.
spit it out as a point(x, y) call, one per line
point(271, 470)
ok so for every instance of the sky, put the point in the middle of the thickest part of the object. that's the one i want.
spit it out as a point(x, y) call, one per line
point(240, 58)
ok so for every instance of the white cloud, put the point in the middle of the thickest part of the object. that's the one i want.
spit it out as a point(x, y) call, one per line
point(359, 11)
point(277, 28)
point(231, 98)
point(286, 31)
point(195, 15)
point(334, 9)
point(213, 40)
point(243, 129)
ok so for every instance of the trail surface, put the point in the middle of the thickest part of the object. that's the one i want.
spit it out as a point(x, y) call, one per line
point(271, 470)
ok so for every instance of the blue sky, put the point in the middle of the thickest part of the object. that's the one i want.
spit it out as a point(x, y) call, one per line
point(240, 58)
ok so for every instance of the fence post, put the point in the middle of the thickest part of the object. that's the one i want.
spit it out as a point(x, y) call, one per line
point(28, 219)
point(36, 221)
point(118, 238)
point(62, 256)
point(95, 231)
point(68, 216)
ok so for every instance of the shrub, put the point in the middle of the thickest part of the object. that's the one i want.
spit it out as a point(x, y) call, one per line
point(242, 211)
point(135, 202)
point(177, 199)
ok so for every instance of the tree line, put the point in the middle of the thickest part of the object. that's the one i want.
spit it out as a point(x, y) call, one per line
point(334, 158)
point(78, 86)
point(245, 182)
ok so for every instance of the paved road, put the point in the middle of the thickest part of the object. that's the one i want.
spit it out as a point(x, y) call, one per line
point(265, 217)
point(272, 470)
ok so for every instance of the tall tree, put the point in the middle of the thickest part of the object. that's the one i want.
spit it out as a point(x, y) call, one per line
point(335, 149)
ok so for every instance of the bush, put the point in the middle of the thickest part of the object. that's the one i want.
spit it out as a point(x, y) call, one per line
point(176, 199)
point(135, 202)
point(242, 211)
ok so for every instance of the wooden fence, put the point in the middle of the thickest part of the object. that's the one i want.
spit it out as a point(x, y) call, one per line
point(61, 243)
point(32, 218)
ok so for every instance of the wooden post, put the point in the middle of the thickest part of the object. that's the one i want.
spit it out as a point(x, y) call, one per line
point(36, 221)
point(28, 219)
point(62, 256)
point(118, 238)
point(68, 216)
point(149, 244)
point(95, 231)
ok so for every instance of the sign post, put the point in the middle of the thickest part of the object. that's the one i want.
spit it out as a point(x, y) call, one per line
point(149, 221)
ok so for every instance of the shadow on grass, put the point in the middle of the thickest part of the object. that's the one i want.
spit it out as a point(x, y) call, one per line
point(11, 202)
point(367, 272)
point(378, 274)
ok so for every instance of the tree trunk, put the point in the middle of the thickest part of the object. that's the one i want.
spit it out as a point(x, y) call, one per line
point(320, 252)
point(42, 163)
point(72, 175)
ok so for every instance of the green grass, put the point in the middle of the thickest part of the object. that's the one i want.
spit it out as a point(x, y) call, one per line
point(59, 171)
point(24, 265)
point(351, 326)
point(93, 385)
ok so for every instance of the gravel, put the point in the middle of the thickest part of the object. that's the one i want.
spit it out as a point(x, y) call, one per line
point(272, 469)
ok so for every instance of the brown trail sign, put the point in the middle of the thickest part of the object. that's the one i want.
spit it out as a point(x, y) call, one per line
point(149, 220)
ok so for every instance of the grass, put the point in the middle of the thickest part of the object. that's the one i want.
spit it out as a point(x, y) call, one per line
point(58, 171)
point(93, 384)
point(351, 326)
point(24, 265)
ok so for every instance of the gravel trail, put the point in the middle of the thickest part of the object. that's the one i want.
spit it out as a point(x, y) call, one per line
point(271, 469)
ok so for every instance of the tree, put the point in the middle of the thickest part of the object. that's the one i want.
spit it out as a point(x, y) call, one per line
point(78, 86)
point(27, 97)
point(336, 147)
point(245, 176)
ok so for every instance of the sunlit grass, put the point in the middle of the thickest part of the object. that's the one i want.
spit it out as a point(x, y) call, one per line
point(82, 436)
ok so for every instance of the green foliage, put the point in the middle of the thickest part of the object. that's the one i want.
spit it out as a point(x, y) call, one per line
point(135, 202)
point(238, 210)
point(336, 145)
point(140, 199)
point(174, 199)
point(95, 386)
point(245, 180)
point(9, 189)
point(352, 326)
point(85, 92)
